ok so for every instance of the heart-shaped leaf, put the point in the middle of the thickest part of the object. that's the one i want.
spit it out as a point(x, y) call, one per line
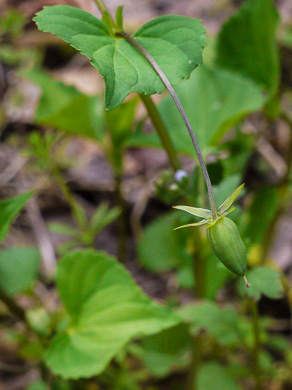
point(106, 309)
point(175, 42)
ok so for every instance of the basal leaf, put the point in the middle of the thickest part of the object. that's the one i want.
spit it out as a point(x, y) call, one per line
point(18, 268)
point(175, 42)
point(9, 208)
point(263, 281)
point(106, 309)
point(247, 43)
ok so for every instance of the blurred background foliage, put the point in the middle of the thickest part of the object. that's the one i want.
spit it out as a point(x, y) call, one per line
point(102, 181)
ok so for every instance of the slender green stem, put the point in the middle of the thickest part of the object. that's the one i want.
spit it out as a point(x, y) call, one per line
point(182, 112)
point(256, 345)
point(103, 8)
point(162, 131)
point(68, 194)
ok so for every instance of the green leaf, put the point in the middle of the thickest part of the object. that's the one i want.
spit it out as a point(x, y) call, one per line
point(106, 309)
point(197, 212)
point(20, 56)
point(215, 376)
point(247, 43)
point(214, 100)
point(65, 108)
point(223, 324)
point(167, 350)
point(103, 216)
point(9, 209)
point(18, 268)
point(62, 228)
point(230, 200)
point(263, 281)
point(40, 385)
point(175, 42)
point(160, 248)
point(108, 21)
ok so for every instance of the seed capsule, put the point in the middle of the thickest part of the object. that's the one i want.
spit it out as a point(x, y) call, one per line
point(227, 244)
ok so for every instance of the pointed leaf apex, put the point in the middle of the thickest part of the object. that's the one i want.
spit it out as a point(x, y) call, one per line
point(204, 221)
point(228, 202)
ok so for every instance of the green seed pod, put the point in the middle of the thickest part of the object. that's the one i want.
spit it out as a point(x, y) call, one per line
point(227, 244)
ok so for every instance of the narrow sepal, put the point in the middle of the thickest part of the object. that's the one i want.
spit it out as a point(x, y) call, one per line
point(203, 213)
point(230, 210)
point(228, 202)
point(192, 224)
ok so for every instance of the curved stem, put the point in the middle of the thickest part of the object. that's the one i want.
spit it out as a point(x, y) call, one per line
point(152, 111)
point(182, 112)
